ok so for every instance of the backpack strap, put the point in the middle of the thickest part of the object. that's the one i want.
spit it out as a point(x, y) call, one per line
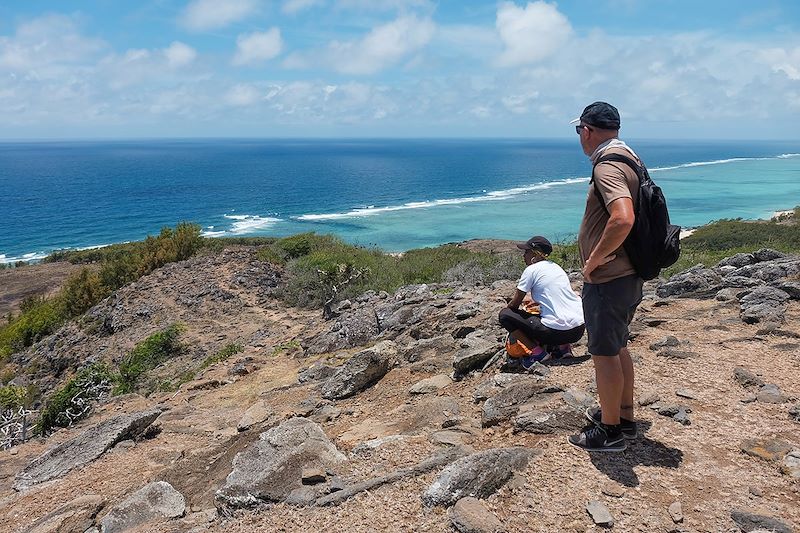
point(618, 158)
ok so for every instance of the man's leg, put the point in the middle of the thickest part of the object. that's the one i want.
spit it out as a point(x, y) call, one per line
point(626, 406)
point(608, 372)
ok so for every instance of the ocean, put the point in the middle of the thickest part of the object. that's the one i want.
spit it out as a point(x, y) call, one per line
point(393, 194)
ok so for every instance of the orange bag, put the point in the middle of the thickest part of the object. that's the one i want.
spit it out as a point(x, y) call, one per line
point(516, 349)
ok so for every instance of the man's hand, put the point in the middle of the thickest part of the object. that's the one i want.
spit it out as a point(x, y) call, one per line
point(591, 264)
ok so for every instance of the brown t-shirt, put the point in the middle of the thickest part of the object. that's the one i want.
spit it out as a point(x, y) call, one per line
point(613, 180)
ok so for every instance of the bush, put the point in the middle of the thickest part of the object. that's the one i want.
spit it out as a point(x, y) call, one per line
point(12, 397)
point(226, 351)
point(148, 354)
point(75, 399)
point(81, 291)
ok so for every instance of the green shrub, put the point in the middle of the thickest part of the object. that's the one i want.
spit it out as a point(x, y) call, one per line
point(13, 397)
point(81, 291)
point(148, 354)
point(226, 351)
point(75, 399)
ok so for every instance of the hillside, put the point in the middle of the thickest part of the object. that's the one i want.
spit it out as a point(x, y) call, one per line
point(349, 424)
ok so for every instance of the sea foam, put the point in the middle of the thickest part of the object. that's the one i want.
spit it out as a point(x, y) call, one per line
point(243, 224)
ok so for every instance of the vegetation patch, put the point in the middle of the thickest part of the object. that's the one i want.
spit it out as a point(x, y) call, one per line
point(76, 398)
point(225, 352)
point(145, 356)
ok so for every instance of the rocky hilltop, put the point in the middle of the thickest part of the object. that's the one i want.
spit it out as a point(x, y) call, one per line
point(399, 413)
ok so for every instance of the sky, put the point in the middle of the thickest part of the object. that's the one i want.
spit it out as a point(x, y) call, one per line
point(676, 69)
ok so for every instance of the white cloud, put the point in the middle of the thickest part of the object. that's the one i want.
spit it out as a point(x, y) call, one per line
point(292, 7)
point(385, 45)
point(212, 14)
point(242, 94)
point(179, 54)
point(532, 33)
point(257, 47)
point(783, 60)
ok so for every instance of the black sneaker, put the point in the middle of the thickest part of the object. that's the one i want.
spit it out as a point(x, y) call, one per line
point(629, 430)
point(596, 439)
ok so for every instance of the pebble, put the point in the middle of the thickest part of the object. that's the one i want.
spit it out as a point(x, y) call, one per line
point(649, 399)
point(600, 513)
point(756, 491)
point(614, 490)
point(676, 512)
point(686, 393)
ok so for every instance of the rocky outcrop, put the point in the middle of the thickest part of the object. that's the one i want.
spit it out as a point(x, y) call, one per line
point(763, 304)
point(154, 501)
point(272, 467)
point(361, 371)
point(473, 352)
point(84, 448)
point(76, 515)
point(348, 331)
point(478, 475)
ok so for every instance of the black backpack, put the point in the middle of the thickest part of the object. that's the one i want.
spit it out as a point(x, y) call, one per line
point(653, 242)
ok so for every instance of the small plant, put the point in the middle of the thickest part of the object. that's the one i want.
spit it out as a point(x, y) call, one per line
point(76, 398)
point(286, 347)
point(148, 354)
point(226, 351)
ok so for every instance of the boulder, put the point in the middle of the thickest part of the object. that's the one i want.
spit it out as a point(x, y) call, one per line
point(348, 331)
point(473, 353)
point(154, 501)
point(272, 467)
point(507, 402)
point(792, 288)
point(697, 281)
point(478, 475)
point(763, 304)
point(77, 515)
point(767, 254)
point(737, 260)
point(419, 350)
point(470, 515)
point(748, 522)
point(84, 448)
point(318, 371)
point(540, 420)
point(361, 371)
point(255, 414)
point(771, 393)
point(746, 378)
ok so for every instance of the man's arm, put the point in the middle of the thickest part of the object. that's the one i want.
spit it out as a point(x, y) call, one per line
point(620, 222)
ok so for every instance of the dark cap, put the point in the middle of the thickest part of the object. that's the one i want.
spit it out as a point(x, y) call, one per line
point(600, 115)
point(536, 243)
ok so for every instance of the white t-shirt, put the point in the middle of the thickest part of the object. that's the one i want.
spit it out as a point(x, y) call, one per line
point(549, 286)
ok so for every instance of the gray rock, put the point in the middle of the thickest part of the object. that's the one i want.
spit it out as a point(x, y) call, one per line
point(696, 281)
point(771, 450)
point(429, 385)
point(470, 515)
point(649, 399)
point(303, 496)
point(348, 331)
point(318, 371)
point(763, 304)
point(668, 341)
point(746, 378)
point(255, 414)
point(677, 412)
point(682, 417)
point(726, 295)
point(549, 420)
point(478, 475)
point(507, 402)
point(735, 284)
point(737, 260)
point(770, 271)
point(271, 468)
point(600, 514)
point(418, 350)
point(676, 512)
point(465, 312)
point(767, 254)
point(771, 393)
point(790, 465)
point(792, 288)
point(84, 448)
point(750, 522)
point(157, 500)
point(77, 515)
point(794, 412)
point(474, 352)
point(361, 371)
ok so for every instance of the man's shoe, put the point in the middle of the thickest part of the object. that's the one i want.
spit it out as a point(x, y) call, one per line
point(596, 439)
point(530, 360)
point(561, 351)
point(629, 429)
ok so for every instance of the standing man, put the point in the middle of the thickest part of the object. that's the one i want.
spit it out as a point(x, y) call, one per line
point(612, 290)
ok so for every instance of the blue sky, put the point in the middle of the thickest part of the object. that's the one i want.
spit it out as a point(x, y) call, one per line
point(365, 68)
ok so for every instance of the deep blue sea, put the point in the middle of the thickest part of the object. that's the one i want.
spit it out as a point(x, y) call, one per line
point(395, 194)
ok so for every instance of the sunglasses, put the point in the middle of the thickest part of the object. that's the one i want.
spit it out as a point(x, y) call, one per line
point(579, 128)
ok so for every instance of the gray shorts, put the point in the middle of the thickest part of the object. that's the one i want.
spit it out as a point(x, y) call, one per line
point(608, 309)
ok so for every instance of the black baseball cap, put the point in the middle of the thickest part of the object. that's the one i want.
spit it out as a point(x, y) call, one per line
point(536, 243)
point(600, 115)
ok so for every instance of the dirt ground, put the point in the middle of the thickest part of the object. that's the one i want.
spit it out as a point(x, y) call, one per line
point(16, 284)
